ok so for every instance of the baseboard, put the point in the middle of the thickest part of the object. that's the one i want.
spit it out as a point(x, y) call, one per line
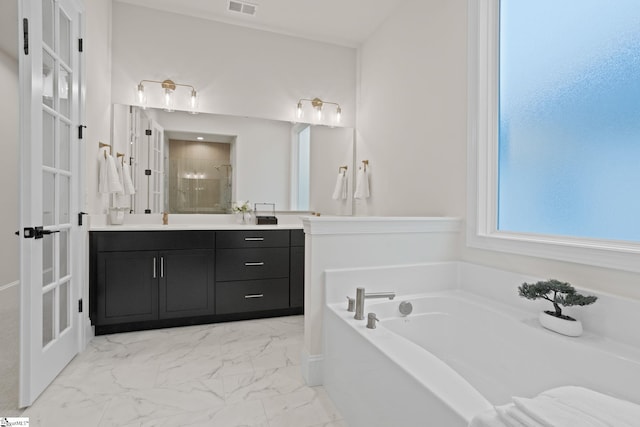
point(312, 368)
point(9, 285)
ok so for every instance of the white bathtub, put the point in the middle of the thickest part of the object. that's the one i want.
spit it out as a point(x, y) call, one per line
point(456, 355)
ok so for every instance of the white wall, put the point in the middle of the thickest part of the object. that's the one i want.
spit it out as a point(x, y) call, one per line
point(236, 70)
point(412, 111)
point(412, 127)
point(98, 92)
point(330, 149)
point(9, 161)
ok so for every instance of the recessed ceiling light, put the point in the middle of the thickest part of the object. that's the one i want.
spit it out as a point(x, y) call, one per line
point(199, 138)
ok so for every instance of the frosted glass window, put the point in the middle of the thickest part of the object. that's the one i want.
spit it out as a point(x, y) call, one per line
point(569, 118)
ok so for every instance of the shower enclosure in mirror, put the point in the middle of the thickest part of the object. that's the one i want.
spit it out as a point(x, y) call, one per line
point(199, 177)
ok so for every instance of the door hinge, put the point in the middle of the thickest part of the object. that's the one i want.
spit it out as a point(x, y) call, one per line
point(147, 132)
point(80, 218)
point(80, 305)
point(80, 45)
point(25, 32)
point(80, 132)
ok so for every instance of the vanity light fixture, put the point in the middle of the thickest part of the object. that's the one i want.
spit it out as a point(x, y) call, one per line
point(168, 87)
point(317, 104)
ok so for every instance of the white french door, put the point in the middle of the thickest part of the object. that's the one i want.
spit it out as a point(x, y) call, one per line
point(50, 100)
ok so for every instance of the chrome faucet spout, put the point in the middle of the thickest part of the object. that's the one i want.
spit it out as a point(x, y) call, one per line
point(361, 296)
point(390, 295)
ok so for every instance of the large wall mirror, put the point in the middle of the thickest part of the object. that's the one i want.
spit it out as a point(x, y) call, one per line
point(202, 163)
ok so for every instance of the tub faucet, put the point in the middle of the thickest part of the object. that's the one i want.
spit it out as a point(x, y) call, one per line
point(361, 296)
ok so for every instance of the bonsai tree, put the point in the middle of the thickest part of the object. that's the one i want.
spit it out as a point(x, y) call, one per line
point(558, 293)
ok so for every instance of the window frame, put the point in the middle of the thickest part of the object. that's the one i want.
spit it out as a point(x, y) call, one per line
point(482, 157)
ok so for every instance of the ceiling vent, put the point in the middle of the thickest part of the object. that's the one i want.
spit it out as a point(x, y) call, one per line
point(242, 7)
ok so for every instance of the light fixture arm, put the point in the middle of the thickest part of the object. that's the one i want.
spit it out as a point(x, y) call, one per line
point(167, 84)
point(317, 102)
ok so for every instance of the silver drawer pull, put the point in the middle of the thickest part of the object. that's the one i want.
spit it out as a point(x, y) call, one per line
point(253, 296)
point(253, 264)
point(254, 239)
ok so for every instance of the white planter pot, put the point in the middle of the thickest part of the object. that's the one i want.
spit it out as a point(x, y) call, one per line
point(571, 328)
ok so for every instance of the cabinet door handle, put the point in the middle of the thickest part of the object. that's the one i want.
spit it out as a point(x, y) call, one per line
point(161, 266)
point(253, 296)
point(254, 239)
point(253, 264)
point(154, 267)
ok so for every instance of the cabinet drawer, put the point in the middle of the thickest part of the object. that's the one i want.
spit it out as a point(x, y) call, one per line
point(252, 239)
point(249, 264)
point(115, 241)
point(252, 295)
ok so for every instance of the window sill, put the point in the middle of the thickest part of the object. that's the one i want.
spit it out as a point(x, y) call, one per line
point(617, 255)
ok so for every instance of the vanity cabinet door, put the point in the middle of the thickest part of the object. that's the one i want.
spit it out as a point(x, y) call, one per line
point(127, 287)
point(186, 286)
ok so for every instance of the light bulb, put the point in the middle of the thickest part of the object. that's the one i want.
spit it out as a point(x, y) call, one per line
point(193, 103)
point(338, 114)
point(142, 99)
point(299, 110)
point(168, 100)
point(319, 113)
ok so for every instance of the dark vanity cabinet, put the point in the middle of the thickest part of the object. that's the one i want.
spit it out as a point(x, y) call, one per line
point(151, 279)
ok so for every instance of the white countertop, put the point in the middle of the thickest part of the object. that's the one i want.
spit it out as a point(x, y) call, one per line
point(153, 222)
point(160, 227)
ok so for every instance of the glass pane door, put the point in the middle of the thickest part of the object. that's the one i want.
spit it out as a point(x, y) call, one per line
point(49, 109)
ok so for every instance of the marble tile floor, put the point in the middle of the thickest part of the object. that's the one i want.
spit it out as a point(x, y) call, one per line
point(223, 375)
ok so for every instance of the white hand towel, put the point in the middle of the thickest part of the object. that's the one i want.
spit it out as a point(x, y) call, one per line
point(345, 181)
point(128, 182)
point(103, 183)
point(125, 178)
point(362, 184)
point(119, 172)
point(550, 413)
point(340, 189)
point(337, 190)
point(614, 411)
point(113, 181)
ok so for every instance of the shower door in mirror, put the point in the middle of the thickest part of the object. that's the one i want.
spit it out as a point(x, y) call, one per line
point(147, 140)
